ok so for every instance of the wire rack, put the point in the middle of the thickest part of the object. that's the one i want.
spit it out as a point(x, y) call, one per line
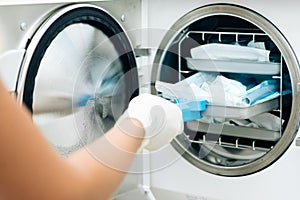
point(237, 37)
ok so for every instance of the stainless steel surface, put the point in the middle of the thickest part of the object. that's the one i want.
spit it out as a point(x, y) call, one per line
point(76, 64)
point(33, 13)
point(260, 162)
point(247, 112)
point(20, 33)
point(11, 36)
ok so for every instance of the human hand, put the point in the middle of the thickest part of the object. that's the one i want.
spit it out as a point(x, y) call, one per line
point(161, 120)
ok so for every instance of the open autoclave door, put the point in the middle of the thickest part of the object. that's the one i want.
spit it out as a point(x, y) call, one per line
point(78, 75)
point(218, 44)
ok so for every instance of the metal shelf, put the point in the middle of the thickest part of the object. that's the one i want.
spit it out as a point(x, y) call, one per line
point(234, 131)
point(252, 135)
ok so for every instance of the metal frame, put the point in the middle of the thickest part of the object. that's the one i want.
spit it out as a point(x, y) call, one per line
point(291, 61)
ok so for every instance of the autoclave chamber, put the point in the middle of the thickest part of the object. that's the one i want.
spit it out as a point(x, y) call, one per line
point(213, 49)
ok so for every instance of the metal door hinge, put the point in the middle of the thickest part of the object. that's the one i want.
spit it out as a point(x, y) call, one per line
point(142, 52)
point(298, 142)
point(298, 87)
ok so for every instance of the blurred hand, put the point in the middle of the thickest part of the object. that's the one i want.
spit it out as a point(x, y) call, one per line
point(160, 118)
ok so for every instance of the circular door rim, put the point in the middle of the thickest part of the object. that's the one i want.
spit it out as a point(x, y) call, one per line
point(42, 29)
point(56, 23)
point(291, 61)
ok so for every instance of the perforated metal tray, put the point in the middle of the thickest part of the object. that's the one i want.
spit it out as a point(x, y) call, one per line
point(235, 131)
point(240, 112)
point(233, 66)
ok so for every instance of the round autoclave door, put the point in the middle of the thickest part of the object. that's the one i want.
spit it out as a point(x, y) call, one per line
point(78, 76)
point(242, 65)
